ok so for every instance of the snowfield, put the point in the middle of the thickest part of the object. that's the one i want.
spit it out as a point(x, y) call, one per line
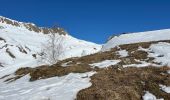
point(137, 37)
point(56, 88)
point(105, 63)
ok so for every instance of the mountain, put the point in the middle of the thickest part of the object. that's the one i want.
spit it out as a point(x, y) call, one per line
point(130, 66)
point(137, 37)
point(21, 44)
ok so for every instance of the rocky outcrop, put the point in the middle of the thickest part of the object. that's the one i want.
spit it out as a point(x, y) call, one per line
point(33, 27)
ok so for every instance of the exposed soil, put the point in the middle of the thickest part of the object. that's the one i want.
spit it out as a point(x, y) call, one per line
point(2, 39)
point(9, 53)
point(43, 72)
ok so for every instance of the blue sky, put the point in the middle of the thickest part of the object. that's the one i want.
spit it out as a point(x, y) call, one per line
point(91, 20)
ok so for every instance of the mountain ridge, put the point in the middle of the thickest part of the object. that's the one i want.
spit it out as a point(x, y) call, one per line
point(32, 26)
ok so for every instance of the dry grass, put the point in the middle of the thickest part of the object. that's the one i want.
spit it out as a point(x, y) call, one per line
point(43, 72)
point(126, 84)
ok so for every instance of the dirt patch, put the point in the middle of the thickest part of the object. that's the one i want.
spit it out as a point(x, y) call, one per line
point(2, 39)
point(125, 84)
point(43, 72)
point(21, 49)
point(18, 74)
point(4, 76)
point(139, 54)
point(23, 71)
point(97, 57)
point(10, 54)
point(12, 79)
point(1, 65)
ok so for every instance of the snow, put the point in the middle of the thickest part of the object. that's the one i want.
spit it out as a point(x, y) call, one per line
point(32, 43)
point(56, 88)
point(137, 37)
point(123, 53)
point(143, 64)
point(66, 64)
point(105, 63)
point(161, 53)
point(150, 96)
point(165, 88)
point(168, 72)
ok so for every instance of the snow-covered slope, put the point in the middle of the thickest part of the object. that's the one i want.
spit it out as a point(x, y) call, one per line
point(137, 37)
point(56, 88)
point(21, 44)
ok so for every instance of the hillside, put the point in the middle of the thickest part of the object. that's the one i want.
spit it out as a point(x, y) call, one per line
point(132, 66)
point(21, 44)
point(129, 38)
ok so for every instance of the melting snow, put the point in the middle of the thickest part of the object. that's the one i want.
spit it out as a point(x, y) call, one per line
point(169, 72)
point(56, 88)
point(105, 63)
point(66, 64)
point(143, 64)
point(165, 88)
point(123, 53)
point(137, 37)
point(161, 53)
point(150, 96)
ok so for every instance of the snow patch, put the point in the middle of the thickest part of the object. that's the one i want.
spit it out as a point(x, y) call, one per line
point(161, 53)
point(123, 53)
point(66, 64)
point(168, 71)
point(143, 64)
point(150, 96)
point(105, 63)
point(165, 88)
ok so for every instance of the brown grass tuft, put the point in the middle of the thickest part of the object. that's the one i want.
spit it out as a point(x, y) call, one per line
point(125, 84)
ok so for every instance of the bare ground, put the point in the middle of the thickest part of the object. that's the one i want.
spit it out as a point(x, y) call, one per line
point(126, 84)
